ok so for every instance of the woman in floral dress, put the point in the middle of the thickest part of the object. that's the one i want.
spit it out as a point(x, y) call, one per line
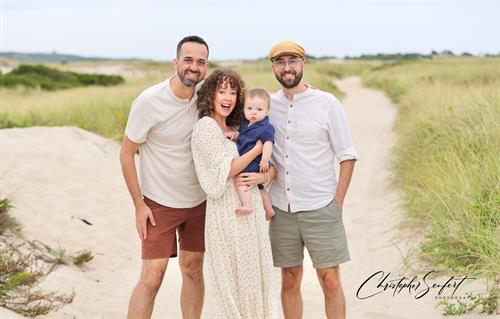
point(237, 248)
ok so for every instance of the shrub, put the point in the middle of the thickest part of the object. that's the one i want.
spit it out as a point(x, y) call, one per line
point(7, 221)
point(20, 275)
point(33, 76)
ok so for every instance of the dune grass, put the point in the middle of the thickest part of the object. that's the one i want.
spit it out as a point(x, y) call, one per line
point(447, 159)
point(21, 273)
point(104, 110)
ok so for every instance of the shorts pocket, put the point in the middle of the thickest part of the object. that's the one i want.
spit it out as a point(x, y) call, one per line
point(334, 210)
point(337, 206)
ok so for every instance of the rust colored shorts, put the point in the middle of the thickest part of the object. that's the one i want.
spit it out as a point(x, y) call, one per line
point(161, 241)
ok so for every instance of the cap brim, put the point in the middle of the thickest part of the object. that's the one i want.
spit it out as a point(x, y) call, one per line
point(287, 53)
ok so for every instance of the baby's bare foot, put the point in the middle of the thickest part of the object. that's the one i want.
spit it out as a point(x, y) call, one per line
point(243, 210)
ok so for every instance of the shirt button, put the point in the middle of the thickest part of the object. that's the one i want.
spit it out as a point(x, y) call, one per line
point(286, 156)
point(288, 189)
point(289, 121)
point(286, 173)
point(287, 137)
point(291, 105)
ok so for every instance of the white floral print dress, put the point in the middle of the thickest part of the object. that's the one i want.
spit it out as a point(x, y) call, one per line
point(237, 248)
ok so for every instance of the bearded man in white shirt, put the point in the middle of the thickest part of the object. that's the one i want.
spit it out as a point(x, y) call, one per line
point(169, 200)
point(311, 131)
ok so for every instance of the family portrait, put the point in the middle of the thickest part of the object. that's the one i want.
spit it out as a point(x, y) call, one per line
point(168, 165)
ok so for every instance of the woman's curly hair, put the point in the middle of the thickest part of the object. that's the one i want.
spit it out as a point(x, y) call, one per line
point(207, 92)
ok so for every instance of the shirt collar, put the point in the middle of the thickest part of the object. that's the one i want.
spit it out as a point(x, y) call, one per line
point(264, 121)
point(296, 96)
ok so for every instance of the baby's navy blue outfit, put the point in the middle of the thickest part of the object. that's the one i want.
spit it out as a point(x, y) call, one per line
point(249, 135)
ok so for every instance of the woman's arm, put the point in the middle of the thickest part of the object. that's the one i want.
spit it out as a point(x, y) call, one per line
point(252, 179)
point(238, 164)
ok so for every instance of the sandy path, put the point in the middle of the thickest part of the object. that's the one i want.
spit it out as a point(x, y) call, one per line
point(371, 211)
point(371, 216)
point(55, 176)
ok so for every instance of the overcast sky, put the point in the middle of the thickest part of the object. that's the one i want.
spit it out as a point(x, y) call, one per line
point(248, 29)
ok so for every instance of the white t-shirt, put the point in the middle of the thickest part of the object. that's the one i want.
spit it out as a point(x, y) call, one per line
point(310, 132)
point(162, 124)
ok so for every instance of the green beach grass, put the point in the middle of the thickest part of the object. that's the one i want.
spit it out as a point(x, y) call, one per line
point(104, 110)
point(447, 157)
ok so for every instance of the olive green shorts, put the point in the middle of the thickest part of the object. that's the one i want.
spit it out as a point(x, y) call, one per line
point(321, 231)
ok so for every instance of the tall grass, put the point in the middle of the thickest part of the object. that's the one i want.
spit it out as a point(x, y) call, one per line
point(448, 156)
point(104, 110)
point(21, 273)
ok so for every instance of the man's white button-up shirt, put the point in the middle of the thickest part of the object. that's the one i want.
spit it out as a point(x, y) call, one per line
point(311, 130)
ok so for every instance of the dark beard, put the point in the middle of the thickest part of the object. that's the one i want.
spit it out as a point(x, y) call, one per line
point(290, 85)
point(188, 82)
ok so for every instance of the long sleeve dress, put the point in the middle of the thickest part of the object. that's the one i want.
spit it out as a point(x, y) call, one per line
point(237, 248)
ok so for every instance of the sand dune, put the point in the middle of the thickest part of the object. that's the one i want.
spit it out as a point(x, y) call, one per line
point(58, 176)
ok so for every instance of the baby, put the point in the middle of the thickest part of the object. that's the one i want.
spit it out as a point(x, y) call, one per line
point(255, 127)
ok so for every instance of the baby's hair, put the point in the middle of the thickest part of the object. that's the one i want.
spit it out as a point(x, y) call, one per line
point(257, 92)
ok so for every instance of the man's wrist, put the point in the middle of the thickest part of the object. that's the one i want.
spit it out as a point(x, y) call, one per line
point(139, 202)
point(339, 200)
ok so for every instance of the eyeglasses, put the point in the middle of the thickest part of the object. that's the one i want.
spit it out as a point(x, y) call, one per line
point(293, 62)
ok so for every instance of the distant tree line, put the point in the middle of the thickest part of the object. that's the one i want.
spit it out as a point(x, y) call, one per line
point(39, 76)
point(400, 56)
point(412, 56)
point(53, 57)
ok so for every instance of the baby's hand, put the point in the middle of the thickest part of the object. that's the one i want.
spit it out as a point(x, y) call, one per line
point(233, 135)
point(264, 166)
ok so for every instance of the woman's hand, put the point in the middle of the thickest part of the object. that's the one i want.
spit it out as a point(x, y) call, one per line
point(249, 179)
point(232, 135)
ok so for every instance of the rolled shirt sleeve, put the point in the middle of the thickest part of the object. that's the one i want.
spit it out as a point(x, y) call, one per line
point(340, 135)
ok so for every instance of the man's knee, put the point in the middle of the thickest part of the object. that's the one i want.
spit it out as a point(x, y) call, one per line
point(330, 280)
point(152, 277)
point(191, 265)
point(291, 278)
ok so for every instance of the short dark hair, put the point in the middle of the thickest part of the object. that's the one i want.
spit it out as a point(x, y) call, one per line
point(261, 93)
point(191, 38)
point(209, 88)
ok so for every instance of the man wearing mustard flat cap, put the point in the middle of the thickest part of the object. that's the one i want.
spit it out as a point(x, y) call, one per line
point(311, 131)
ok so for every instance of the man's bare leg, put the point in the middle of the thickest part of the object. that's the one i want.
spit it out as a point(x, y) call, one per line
point(193, 287)
point(143, 297)
point(291, 299)
point(329, 278)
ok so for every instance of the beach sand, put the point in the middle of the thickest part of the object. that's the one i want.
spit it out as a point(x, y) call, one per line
point(57, 177)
